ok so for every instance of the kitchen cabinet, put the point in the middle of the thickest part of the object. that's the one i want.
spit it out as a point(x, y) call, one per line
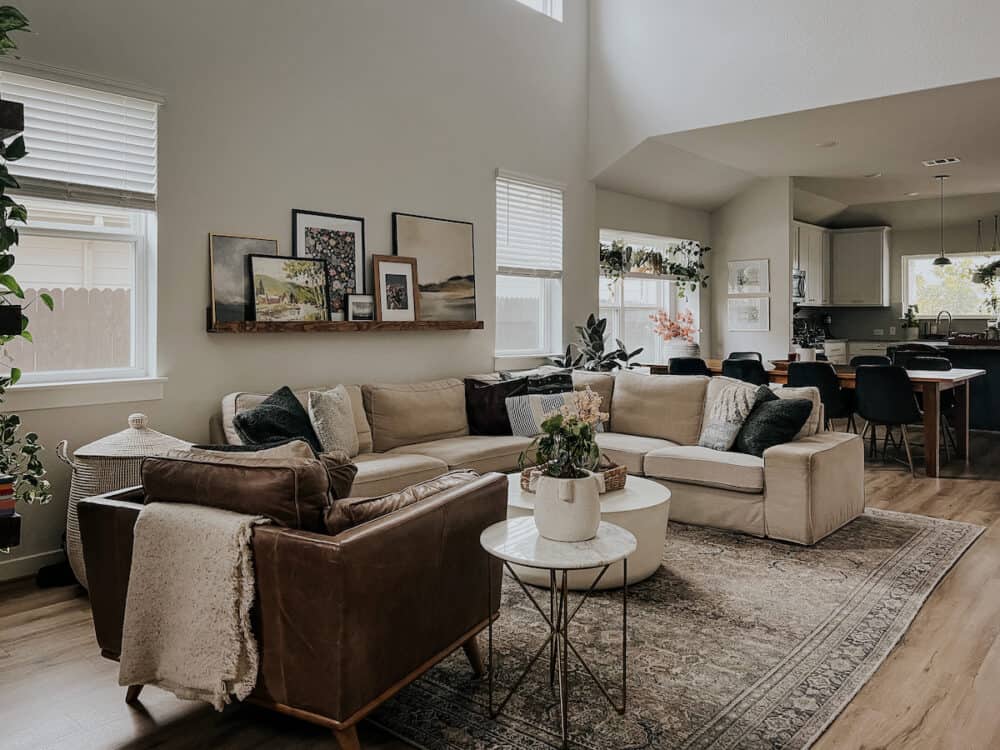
point(859, 267)
point(878, 348)
point(835, 351)
point(811, 254)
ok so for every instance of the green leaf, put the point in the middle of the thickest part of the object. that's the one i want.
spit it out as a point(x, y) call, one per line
point(8, 281)
point(18, 213)
point(15, 149)
point(47, 300)
point(27, 336)
point(6, 262)
point(11, 19)
point(15, 375)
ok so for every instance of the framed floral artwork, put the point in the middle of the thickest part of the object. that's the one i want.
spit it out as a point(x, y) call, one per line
point(338, 240)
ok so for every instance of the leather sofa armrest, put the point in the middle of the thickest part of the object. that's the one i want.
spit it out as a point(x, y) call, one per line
point(346, 620)
point(813, 486)
point(106, 526)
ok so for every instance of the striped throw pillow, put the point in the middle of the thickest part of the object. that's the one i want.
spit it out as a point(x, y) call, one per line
point(528, 412)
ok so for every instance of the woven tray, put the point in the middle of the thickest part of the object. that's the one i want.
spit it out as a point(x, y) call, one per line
point(614, 478)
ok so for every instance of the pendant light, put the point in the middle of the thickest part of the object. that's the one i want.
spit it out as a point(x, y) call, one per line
point(942, 259)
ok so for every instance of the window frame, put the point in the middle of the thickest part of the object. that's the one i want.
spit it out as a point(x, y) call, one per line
point(551, 8)
point(904, 284)
point(142, 319)
point(667, 300)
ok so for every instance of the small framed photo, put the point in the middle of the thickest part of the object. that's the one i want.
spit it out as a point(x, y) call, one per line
point(289, 289)
point(340, 241)
point(361, 307)
point(396, 290)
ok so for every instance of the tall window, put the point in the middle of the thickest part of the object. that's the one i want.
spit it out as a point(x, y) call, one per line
point(529, 266)
point(628, 303)
point(934, 288)
point(551, 8)
point(89, 184)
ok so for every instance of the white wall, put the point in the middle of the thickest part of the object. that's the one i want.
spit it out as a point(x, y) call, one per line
point(662, 66)
point(359, 108)
point(755, 224)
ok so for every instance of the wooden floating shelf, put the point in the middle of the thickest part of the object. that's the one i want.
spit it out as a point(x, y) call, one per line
point(341, 326)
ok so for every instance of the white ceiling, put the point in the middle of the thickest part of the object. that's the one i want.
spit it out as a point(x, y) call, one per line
point(704, 168)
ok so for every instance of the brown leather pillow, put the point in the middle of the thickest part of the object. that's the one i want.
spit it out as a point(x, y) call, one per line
point(346, 514)
point(341, 473)
point(292, 492)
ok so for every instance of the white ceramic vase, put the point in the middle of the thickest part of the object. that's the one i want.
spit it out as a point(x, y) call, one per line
point(680, 348)
point(568, 510)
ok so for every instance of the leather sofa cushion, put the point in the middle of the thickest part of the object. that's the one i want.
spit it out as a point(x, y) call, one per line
point(346, 514)
point(234, 403)
point(379, 473)
point(481, 453)
point(662, 406)
point(402, 414)
point(292, 492)
point(629, 450)
point(694, 464)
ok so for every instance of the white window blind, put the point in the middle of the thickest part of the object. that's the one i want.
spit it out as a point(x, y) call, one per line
point(84, 144)
point(529, 227)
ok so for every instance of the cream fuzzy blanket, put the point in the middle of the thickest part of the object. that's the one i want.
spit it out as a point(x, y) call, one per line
point(187, 614)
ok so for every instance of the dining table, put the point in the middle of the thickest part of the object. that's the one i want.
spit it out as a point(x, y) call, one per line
point(930, 383)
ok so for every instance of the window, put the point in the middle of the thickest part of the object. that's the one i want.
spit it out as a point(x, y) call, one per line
point(628, 303)
point(933, 288)
point(529, 266)
point(89, 184)
point(551, 8)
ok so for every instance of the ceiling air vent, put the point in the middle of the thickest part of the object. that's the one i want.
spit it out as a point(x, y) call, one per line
point(941, 162)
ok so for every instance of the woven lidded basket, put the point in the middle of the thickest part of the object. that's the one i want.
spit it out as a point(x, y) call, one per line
point(111, 463)
point(614, 477)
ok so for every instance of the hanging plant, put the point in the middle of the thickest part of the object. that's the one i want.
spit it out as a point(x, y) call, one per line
point(684, 261)
point(987, 274)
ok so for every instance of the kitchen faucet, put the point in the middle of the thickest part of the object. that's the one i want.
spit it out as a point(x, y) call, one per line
point(937, 322)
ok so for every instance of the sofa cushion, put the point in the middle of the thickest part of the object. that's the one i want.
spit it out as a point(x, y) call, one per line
point(402, 414)
point(728, 402)
point(485, 404)
point(354, 511)
point(661, 406)
point(773, 421)
point(379, 473)
point(290, 448)
point(278, 416)
point(481, 453)
point(694, 464)
point(332, 417)
point(629, 450)
point(234, 403)
point(601, 383)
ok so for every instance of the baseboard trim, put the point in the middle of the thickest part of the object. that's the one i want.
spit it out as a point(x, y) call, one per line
point(26, 566)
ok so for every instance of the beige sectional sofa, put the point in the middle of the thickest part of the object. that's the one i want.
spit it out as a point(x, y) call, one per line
point(799, 492)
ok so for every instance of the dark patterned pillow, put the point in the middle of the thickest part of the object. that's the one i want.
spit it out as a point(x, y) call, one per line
point(485, 407)
point(277, 417)
point(547, 379)
point(772, 421)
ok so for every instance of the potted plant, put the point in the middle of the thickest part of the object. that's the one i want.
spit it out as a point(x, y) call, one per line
point(678, 333)
point(910, 324)
point(567, 491)
point(987, 276)
point(592, 350)
point(685, 263)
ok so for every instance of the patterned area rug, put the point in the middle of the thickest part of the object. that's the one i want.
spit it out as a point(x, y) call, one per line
point(736, 642)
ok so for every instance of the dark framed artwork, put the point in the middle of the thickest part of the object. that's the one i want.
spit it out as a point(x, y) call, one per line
point(396, 286)
point(340, 241)
point(361, 307)
point(229, 270)
point(289, 289)
point(445, 251)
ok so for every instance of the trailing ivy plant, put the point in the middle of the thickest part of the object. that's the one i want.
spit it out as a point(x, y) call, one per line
point(684, 261)
point(19, 453)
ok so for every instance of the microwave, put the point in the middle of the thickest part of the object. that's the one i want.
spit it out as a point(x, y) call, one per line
point(798, 285)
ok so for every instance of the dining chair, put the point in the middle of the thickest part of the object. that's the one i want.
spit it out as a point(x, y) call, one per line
point(948, 405)
point(688, 366)
point(838, 403)
point(747, 355)
point(870, 359)
point(885, 399)
point(749, 370)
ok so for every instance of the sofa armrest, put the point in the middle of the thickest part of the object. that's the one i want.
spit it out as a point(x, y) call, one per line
point(813, 486)
point(346, 620)
point(106, 526)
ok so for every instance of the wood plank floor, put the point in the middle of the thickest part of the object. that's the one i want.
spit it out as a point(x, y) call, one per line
point(938, 689)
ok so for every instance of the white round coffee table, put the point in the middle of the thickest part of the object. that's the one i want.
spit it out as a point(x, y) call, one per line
point(643, 508)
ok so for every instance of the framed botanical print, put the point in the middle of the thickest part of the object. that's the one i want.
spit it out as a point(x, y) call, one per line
point(749, 276)
point(229, 270)
point(444, 250)
point(340, 241)
point(396, 297)
point(749, 314)
point(289, 289)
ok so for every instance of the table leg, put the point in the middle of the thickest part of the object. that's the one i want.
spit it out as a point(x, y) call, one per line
point(564, 665)
point(552, 621)
point(932, 428)
point(624, 636)
point(962, 420)
point(489, 636)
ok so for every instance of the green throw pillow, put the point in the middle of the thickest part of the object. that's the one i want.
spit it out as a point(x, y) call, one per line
point(773, 421)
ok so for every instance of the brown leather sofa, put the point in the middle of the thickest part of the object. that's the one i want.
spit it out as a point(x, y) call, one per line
point(343, 622)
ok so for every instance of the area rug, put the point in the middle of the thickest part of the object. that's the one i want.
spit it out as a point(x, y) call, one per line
point(735, 642)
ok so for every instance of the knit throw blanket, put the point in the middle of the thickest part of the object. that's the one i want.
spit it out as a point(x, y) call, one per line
point(187, 614)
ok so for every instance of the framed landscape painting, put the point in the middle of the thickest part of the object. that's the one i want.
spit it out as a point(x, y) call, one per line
point(338, 240)
point(444, 251)
point(229, 270)
point(289, 289)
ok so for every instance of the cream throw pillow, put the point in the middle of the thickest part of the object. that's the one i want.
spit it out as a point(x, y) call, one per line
point(726, 414)
point(332, 418)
